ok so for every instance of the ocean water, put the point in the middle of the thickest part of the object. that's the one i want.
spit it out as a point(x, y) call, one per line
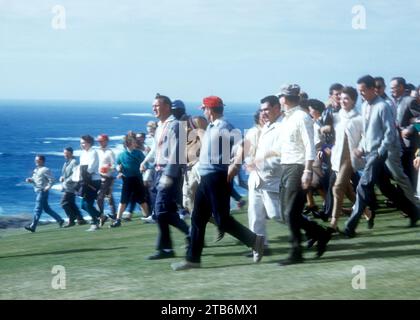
point(28, 128)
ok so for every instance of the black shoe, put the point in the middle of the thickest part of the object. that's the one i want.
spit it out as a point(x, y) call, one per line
point(349, 234)
point(112, 216)
point(102, 220)
point(310, 243)
point(291, 260)
point(413, 222)
point(371, 221)
point(81, 222)
point(29, 228)
point(220, 236)
point(320, 215)
point(325, 237)
point(70, 224)
point(161, 255)
point(116, 224)
point(60, 224)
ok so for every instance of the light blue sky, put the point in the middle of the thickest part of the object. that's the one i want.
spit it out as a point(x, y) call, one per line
point(240, 50)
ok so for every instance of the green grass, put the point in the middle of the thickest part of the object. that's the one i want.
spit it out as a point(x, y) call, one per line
point(111, 264)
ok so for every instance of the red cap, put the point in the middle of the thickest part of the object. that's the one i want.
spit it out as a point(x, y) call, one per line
point(103, 137)
point(212, 102)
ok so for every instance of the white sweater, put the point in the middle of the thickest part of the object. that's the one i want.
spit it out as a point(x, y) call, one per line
point(351, 124)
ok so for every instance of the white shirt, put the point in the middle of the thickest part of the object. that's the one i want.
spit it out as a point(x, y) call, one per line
point(91, 159)
point(106, 161)
point(297, 137)
point(267, 174)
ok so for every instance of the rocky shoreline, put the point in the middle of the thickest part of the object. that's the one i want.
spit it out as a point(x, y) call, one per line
point(15, 221)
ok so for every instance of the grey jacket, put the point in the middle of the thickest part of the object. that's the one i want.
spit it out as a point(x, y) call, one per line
point(404, 114)
point(379, 131)
point(42, 178)
point(66, 173)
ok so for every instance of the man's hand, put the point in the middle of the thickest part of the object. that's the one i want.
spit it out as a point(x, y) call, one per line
point(61, 179)
point(406, 133)
point(142, 167)
point(165, 181)
point(306, 179)
point(29, 180)
point(232, 172)
point(358, 153)
point(416, 163)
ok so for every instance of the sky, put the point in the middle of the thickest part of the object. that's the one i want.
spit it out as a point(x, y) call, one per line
point(240, 50)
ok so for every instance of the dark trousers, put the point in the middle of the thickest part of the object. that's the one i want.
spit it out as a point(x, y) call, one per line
point(105, 191)
point(407, 157)
point(68, 203)
point(90, 193)
point(166, 211)
point(365, 192)
point(292, 200)
point(213, 197)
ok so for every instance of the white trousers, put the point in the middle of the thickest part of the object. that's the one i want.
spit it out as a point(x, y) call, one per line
point(262, 205)
point(189, 188)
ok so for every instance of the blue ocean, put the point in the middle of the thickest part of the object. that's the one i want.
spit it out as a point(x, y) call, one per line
point(28, 128)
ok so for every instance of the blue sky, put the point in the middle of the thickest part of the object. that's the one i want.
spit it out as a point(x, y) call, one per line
point(240, 50)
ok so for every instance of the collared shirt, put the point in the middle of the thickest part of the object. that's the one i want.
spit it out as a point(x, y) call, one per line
point(91, 160)
point(297, 137)
point(42, 178)
point(216, 148)
point(161, 139)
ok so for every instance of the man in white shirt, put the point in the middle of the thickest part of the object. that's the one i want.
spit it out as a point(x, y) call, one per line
point(106, 170)
point(264, 177)
point(89, 168)
point(297, 155)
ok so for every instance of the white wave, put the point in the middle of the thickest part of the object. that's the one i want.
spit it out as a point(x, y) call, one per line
point(115, 117)
point(63, 138)
point(114, 138)
point(47, 142)
point(76, 153)
point(138, 114)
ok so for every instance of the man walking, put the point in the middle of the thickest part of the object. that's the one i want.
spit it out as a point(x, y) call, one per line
point(42, 180)
point(297, 155)
point(380, 146)
point(68, 201)
point(213, 193)
point(169, 168)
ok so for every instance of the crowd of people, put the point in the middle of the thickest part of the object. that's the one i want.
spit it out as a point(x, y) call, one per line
point(299, 146)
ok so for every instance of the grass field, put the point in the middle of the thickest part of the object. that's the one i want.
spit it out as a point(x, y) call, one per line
point(111, 264)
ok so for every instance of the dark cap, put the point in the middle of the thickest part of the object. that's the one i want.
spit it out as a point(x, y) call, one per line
point(178, 104)
point(289, 90)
